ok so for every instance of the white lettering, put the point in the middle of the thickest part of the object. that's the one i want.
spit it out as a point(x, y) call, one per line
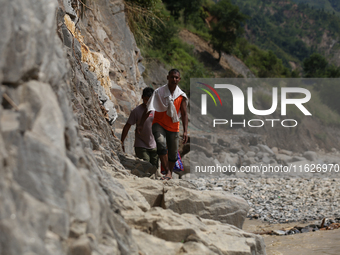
point(297, 101)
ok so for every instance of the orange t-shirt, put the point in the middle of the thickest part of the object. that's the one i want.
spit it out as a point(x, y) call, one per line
point(165, 121)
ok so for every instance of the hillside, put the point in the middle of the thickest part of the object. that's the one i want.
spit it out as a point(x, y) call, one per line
point(331, 6)
point(292, 31)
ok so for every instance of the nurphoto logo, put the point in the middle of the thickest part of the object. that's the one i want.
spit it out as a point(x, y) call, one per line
point(295, 96)
point(271, 127)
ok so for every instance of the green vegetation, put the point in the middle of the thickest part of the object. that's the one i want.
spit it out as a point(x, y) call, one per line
point(293, 32)
point(227, 27)
point(190, 8)
point(331, 6)
point(316, 66)
point(143, 15)
point(264, 64)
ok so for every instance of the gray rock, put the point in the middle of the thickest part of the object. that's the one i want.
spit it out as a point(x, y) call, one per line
point(112, 113)
point(209, 205)
point(286, 152)
point(266, 160)
point(156, 74)
point(283, 158)
point(265, 148)
point(34, 50)
point(188, 228)
point(279, 232)
point(238, 66)
point(275, 150)
point(151, 190)
point(310, 155)
point(250, 161)
point(147, 243)
point(259, 155)
point(297, 158)
point(67, 36)
point(137, 166)
point(254, 148)
point(251, 154)
point(68, 8)
point(141, 68)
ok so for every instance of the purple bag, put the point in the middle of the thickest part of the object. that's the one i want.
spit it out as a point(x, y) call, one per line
point(178, 165)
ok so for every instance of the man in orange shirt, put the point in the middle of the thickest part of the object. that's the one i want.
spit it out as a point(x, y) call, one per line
point(169, 103)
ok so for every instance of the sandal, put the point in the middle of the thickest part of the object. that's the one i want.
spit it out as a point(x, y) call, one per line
point(165, 178)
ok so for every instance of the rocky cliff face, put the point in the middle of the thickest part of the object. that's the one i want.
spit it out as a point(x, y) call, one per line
point(65, 186)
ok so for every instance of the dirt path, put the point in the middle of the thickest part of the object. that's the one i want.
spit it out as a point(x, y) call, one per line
point(313, 243)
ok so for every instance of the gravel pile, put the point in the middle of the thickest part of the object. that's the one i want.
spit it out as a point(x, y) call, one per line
point(281, 200)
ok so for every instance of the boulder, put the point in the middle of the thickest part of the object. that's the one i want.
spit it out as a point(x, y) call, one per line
point(151, 190)
point(172, 227)
point(265, 148)
point(286, 152)
point(147, 245)
point(137, 166)
point(311, 155)
point(266, 160)
point(215, 205)
point(297, 158)
point(251, 154)
point(283, 158)
point(275, 150)
point(228, 158)
point(145, 190)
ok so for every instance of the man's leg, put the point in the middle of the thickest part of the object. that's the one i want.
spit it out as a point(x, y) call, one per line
point(153, 157)
point(172, 140)
point(153, 160)
point(159, 134)
point(142, 153)
point(164, 161)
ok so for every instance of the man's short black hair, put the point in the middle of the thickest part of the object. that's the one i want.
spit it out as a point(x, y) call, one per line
point(147, 92)
point(174, 71)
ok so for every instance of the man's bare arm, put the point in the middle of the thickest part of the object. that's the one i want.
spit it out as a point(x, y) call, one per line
point(184, 115)
point(126, 129)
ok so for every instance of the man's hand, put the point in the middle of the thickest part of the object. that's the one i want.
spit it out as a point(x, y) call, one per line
point(123, 147)
point(126, 129)
point(184, 119)
point(185, 137)
point(139, 129)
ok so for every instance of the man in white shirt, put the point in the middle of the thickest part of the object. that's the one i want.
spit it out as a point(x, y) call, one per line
point(145, 145)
